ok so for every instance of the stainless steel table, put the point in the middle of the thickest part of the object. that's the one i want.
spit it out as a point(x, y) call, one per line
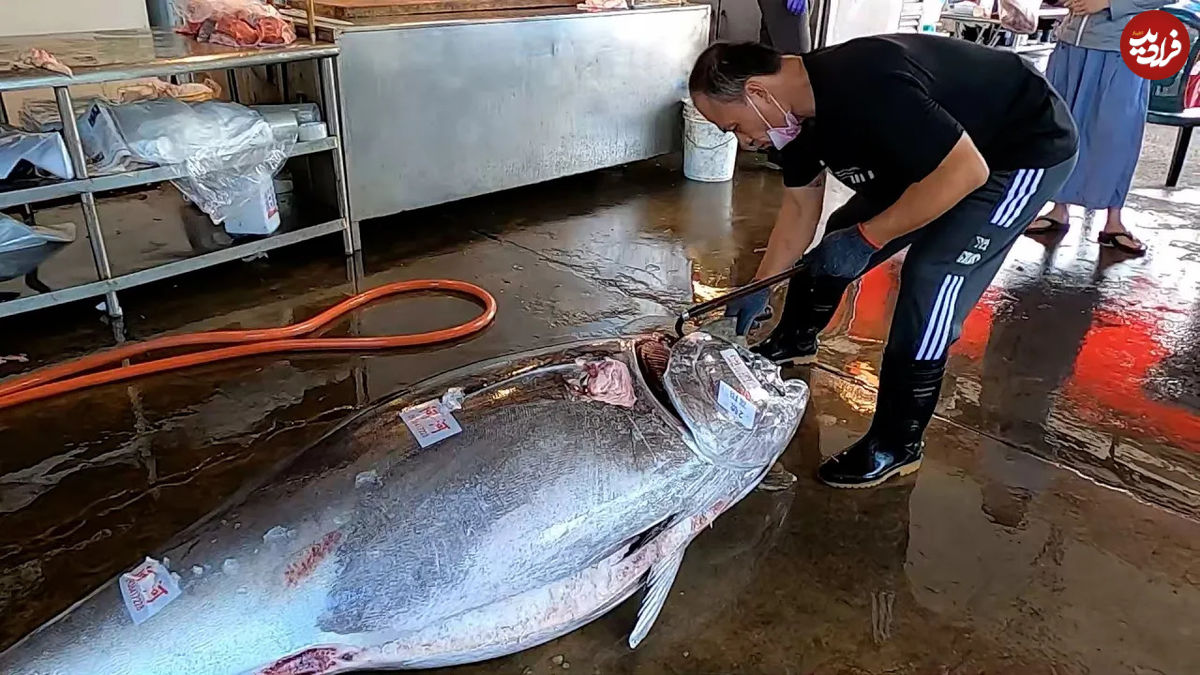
point(955, 23)
point(107, 56)
point(444, 107)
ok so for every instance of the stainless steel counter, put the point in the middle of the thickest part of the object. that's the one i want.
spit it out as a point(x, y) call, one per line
point(494, 16)
point(442, 107)
point(105, 56)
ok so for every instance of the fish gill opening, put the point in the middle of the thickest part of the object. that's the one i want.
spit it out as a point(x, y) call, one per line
point(653, 355)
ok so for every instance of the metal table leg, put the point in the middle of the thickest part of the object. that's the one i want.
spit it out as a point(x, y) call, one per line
point(3, 112)
point(333, 118)
point(355, 272)
point(284, 94)
point(91, 218)
point(231, 82)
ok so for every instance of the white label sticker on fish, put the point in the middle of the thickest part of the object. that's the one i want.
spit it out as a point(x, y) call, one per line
point(736, 405)
point(147, 589)
point(430, 423)
point(742, 372)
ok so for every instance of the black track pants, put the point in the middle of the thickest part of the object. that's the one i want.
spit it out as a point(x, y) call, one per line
point(953, 259)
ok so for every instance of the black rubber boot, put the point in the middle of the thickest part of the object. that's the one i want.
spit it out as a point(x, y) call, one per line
point(807, 309)
point(908, 395)
point(774, 160)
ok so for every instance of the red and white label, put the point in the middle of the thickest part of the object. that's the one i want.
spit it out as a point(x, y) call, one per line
point(741, 371)
point(1155, 45)
point(147, 589)
point(430, 422)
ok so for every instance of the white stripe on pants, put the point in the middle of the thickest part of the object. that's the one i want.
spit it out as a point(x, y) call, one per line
point(1019, 204)
point(941, 320)
point(1024, 183)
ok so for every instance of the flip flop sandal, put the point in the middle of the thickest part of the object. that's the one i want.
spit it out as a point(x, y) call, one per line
point(1113, 240)
point(1054, 226)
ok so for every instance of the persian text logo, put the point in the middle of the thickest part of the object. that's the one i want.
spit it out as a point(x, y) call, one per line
point(1155, 45)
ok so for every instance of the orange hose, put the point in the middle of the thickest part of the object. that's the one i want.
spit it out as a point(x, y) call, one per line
point(55, 380)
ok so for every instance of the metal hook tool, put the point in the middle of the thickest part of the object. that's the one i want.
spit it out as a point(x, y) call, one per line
point(718, 302)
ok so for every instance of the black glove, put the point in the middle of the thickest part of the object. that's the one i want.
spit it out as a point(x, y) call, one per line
point(844, 254)
point(748, 308)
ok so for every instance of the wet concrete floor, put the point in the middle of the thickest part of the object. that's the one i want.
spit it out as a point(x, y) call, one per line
point(1009, 552)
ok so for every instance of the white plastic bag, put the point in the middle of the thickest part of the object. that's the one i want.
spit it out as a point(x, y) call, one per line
point(1019, 16)
point(46, 151)
point(23, 248)
point(229, 152)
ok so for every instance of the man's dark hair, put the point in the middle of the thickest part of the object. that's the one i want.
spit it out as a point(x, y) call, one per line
point(721, 70)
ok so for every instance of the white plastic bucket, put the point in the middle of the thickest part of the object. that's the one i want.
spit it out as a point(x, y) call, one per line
point(709, 154)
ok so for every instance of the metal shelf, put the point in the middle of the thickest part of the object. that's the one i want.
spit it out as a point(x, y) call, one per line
point(125, 281)
point(117, 181)
point(107, 56)
point(110, 55)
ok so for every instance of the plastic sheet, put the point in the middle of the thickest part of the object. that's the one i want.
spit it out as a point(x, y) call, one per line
point(45, 151)
point(24, 248)
point(731, 398)
point(235, 23)
point(230, 153)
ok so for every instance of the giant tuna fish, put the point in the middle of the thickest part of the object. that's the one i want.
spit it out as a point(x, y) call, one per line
point(555, 484)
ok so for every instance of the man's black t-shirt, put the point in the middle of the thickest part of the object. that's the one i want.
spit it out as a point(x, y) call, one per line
point(889, 109)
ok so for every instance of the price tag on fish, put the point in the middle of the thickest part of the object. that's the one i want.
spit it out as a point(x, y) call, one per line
point(430, 423)
point(741, 371)
point(738, 406)
point(147, 589)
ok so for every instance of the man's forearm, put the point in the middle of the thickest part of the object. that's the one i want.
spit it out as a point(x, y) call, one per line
point(794, 229)
point(962, 172)
point(784, 248)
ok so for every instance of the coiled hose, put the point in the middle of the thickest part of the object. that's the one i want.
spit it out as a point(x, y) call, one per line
point(57, 379)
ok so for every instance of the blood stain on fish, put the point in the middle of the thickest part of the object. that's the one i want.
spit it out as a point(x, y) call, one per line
point(310, 661)
point(299, 570)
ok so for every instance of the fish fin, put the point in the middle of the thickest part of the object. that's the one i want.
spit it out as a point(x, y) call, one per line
point(630, 545)
point(647, 535)
point(658, 587)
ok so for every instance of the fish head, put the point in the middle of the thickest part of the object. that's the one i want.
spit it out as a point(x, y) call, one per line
point(739, 410)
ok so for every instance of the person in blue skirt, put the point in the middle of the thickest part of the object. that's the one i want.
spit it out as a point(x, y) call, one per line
point(1108, 102)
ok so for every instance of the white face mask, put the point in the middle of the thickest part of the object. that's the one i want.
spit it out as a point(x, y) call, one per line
point(780, 136)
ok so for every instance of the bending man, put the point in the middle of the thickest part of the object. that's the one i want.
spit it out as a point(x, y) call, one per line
point(950, 147)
